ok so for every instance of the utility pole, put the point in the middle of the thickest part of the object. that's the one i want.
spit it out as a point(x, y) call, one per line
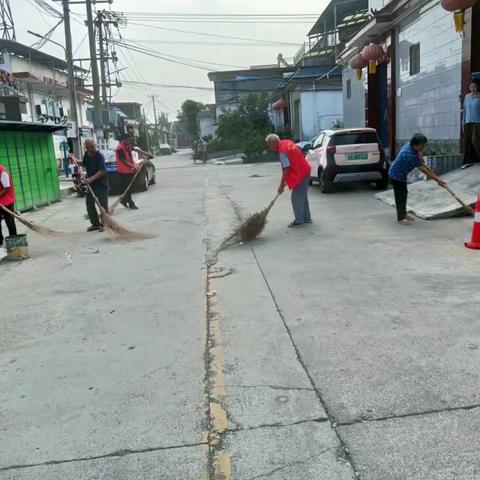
point(146, 131)
point(155, 118)
point(71, 74)
point(97, 104)
point(101, 43)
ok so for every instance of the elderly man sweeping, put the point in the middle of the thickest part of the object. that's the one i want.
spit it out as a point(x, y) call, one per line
point(94, 163)
point(295, 175)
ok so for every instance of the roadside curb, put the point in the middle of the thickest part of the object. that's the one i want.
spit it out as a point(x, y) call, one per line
point(65, 192)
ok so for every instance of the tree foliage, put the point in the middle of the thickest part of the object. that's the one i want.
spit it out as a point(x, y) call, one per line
point(189, 118)
point(246, 127)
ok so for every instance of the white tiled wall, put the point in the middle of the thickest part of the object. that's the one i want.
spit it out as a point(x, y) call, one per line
point(353, 107)
point(428, 102)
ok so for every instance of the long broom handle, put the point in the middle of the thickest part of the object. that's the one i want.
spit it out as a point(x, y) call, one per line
point(468, 208)
point(272, 203)
point(95, 198)
point(139, 169)
point(112, 208)
point(13, 214)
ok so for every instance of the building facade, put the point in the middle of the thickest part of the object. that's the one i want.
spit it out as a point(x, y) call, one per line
point(231, 86)
point(41, 94)
point(420, 83)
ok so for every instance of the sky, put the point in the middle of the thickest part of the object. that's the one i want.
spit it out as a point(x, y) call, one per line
point(161, 41)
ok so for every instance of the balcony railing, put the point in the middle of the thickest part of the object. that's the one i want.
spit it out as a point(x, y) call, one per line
point(297, 58)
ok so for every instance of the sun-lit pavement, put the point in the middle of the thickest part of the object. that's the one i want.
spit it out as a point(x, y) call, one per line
point(348, 348)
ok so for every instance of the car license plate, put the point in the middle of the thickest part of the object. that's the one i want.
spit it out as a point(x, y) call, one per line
point(358, 156)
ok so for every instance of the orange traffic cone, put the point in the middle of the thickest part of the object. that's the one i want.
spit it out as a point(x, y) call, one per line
point(475, 241)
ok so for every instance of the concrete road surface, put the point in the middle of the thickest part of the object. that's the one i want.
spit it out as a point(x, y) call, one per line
point(346, 349)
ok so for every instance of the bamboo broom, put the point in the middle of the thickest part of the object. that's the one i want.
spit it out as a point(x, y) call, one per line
point(467, 208)
point(251, 228)
point(122, 196)
point(113, 229)
point(44, 231)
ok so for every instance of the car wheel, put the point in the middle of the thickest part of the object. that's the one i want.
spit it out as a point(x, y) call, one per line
point(326, 185)
point(141, 183)
point(152, 179)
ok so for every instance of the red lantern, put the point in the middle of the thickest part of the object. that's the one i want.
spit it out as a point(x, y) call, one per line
point(454, 5)
point(357, 63)
point(372, 53)
point(458, 8)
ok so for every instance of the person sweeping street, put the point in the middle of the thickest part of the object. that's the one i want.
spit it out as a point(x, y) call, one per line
point(94, 163)
point(410, 156)
point(7, 199)
point(295, 175)
point(126, 167)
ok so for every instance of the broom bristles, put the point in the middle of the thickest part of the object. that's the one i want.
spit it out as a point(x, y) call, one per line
point(250, 229)
point(44, 231)
point(115, 231)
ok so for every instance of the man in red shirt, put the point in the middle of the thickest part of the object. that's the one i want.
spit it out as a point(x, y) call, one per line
point(295, 174)
point(7, 199)
point(126, 168)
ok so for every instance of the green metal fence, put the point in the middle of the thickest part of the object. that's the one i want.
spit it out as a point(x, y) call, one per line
point(30, 158)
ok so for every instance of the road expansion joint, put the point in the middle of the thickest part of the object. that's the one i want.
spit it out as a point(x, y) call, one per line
point(218, 464)
point(278, 425)
point(366, 419)
point(273, 387)
point(115, 454)
point(342, 451)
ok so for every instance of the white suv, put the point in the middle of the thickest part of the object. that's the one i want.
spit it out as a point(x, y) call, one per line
point(347, 155)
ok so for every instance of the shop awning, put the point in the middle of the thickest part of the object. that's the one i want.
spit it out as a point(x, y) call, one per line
point(29, 127)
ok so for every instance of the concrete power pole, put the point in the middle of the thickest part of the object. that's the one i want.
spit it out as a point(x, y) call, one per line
point(155, 118)
point(101, 44)
point(146, 130)
point(97, 104)
point(71, 74)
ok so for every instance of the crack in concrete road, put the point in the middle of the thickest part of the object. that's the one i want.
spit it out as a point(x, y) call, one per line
point(278, 425)
point(291, 465)
point(408, 415)
point(348, 457)
point(117, 453)
point(218, 465)
point(274, 387)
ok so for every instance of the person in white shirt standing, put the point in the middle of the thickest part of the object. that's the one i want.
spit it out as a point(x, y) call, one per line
point(471, 124)
point(7, 199)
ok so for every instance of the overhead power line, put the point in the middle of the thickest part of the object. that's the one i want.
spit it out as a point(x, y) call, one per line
point(269, 15)
point(157, 27)
point(206, 44)
point(195, 63)
point(166, 85)
point(223, 17)
point(224, 90)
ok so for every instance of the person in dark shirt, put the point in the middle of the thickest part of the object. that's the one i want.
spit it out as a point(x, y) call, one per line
point(409, 157)
point(96, 177)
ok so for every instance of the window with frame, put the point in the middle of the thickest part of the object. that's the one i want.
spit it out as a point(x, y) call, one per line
point(319, 140)
point(414, 59)
point(349, 89)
